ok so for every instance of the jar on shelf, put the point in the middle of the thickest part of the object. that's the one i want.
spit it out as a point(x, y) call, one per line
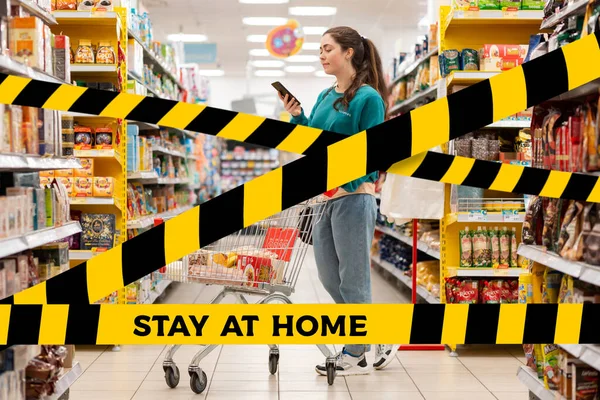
point(105, 54)
point(84, 53)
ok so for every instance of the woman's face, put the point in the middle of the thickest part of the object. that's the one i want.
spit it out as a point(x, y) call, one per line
point(333, 58)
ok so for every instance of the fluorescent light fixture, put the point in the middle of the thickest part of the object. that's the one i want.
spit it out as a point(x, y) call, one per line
point(264, 21)
point(303, 58)
point(313, 11)
point(268, 64)
point(257, 38)
point(314, 30)
point(187, 37)
point(311, 46)
point(259, 52)
point(322, 74)
point(264, 1)
point(211, 72)
point(269, 72)
point(300, 68)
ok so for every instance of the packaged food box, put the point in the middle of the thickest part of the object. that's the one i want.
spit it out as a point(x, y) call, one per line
point(504, 50)
point(27, 41)
point(68, 184)
point(87, 168)
point(510, 4)
point(532, 4)
point(103, 186)
point(499, 63)
point(584, 382)
point(47, 174)
point(97, 231)
point(82, 187)
point(255, 269)
point(63, 173)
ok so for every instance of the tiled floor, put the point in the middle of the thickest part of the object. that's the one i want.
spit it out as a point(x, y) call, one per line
point(241, 372)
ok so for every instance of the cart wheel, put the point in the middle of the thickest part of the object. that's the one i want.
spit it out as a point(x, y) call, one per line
point(330, 372)
point(273, 363)
point(172, 376)
point(198, 382)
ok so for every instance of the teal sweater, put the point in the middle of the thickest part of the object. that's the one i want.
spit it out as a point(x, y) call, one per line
point(365, 111)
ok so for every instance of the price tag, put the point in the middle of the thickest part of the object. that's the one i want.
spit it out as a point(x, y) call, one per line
point(501, 272)
point(511, 216)
point(510, 12)
point(472, 12)
point(478, 216)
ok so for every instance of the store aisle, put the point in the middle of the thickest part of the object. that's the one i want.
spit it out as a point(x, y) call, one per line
point(241, 372)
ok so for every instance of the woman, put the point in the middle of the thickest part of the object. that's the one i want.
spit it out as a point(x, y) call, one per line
point(342, 238)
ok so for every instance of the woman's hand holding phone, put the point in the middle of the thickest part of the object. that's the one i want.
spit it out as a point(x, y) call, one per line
point(291, 105)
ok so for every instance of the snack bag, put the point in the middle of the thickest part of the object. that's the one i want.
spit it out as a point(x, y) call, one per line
point(468, 292)
point(565, 295)
point(504, 248)
point(551, 376)
point(495, 247)
point(466, 248)
point(480, 254)
point(530, 356)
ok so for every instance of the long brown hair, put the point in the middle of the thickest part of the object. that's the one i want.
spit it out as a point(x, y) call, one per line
point(366, 62)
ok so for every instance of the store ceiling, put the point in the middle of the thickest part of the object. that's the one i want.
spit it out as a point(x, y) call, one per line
point(221, 21)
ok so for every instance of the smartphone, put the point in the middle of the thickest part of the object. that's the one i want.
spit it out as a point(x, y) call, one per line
point(283, 91)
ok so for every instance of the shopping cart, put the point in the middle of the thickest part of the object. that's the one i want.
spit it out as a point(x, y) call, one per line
point(264, 259)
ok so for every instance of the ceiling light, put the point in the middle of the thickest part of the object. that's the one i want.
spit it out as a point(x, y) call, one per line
point(264, 21)
point(268, 64)
point(322, 74)
point(211, 72)
point(264, 1)
point(187, 37)
point(313, 11)
point(300, 68)
point(311, 46)
point(259, 52)
point(314, 30)
point(269, 72)
point(303, 58)
point(257, 38)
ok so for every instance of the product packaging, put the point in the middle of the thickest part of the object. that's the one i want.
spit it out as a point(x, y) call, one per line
point(525, 288)
point(551, 367)
point(68, 184)
point(584, 382)
point(86, 170)
point(495, 247)
point(532, 4)
point(82, 187)
point(27, 41)
point(98, 231)
point(449, 61)
point(103, 187)
point(255, 269)
point(104, 138)
point(466, 248)
point(504, 238)
point(481, 249)
point(62, 53)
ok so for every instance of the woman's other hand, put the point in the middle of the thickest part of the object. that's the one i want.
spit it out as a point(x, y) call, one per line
point(291, 105)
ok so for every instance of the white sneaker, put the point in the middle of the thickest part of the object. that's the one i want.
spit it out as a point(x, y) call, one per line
point(347, 365)
point(384, 355)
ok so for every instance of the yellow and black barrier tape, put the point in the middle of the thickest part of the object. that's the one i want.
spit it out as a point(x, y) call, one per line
point(392, 146)
point(300, 324)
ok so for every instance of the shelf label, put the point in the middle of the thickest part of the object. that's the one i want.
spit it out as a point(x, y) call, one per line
point(472, 12)
point(510, 12)
point(478, 216)
point(511, 216)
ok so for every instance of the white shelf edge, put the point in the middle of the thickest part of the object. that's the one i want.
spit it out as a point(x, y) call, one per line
point(85, 15)
point(148, 220)
point(17, 68)
point(101, 201)
point(408, 240)
point(164, 150)
point(486, 272)
point(18, 162)
point(510, 124)
point(421, 291)
point(529, 378)
point(79, 68)
point(37, 238)
point(66, 380)
point(572, 8)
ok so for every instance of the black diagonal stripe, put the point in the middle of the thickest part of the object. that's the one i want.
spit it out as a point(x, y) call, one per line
point(427, 324)
point(143, 254)
point(223, 217)
point(8, 300)
point(304, 178)
point(70, 287)
point(539, 89)
point(323, 140)
point(151, 110)
point(93, 101)
point(579, 187)
point(482, 174)
point(434, 166)
point(82, 324)
point(24, 324)
point(211, 121)
point(482, 324)
point(2, 77)
point(597, 35)
point(386, 145)
point(36, 93)
point(590, 324)
point(470, 109)
point(270, 133)
point(540, 323)
point(532, 181)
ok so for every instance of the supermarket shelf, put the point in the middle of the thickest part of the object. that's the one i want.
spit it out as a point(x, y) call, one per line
point(23, 353)
point(511, 124)
point(150, 90)
point(585, 272)
point(150, 57)
point(98, 154)
point(37, 238)
point(408, 240)
point(164, 150)
point(95, 201)
point(144, 126)
point(152, 177)
point(589, 354)
point(412, 67)
point(489, 217)
point(193, 157)
point(497, 17)
point(421, 291)
point(158, 291)
point(148, 220)
point(529, 378)
point(574, 7)
point(36, 11)
point(410, 103)
point(486, 272)
point(468, 77)
point(96, 69)
point(16, 68)
point(81, 255)
point(142, 175)
point(23, 163)
point(67, 379)
point(84, 17)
